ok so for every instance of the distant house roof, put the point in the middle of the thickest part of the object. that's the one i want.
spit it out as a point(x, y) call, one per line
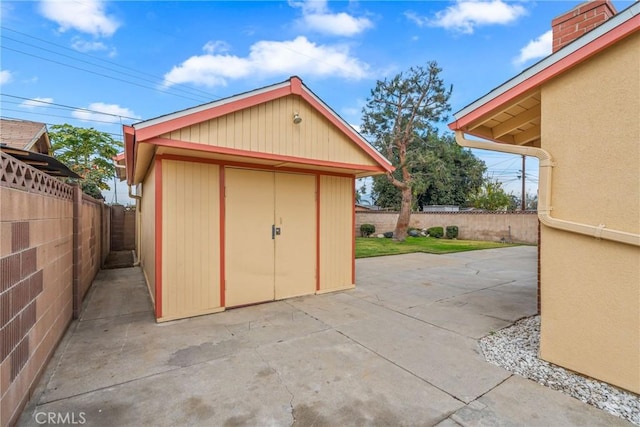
point(25, 135)
point(511, 112)
point(42, 162)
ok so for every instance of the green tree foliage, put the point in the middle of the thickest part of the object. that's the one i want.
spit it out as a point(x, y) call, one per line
point(447, 175)
point(492, 197)
point(88, 153)
point(399, 118)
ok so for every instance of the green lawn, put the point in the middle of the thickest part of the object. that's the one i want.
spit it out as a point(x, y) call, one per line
point(372, 246)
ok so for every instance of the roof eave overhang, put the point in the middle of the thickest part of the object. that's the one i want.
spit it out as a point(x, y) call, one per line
point(620, 26)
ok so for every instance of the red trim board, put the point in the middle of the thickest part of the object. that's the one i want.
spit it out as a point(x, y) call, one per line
point(158, 231)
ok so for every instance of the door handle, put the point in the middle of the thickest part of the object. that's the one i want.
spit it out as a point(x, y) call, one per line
point(275, 231)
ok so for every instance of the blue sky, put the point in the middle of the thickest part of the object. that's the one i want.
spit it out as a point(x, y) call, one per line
point(67, 61)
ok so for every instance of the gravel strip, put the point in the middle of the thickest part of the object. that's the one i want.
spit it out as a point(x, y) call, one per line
point(515, 349)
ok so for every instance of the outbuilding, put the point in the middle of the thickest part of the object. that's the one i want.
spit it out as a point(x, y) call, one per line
point(247, 199)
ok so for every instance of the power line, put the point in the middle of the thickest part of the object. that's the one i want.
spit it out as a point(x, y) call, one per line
point(69, 107)
point(56, 115)
point(96, 73)
point(193, 91)
point(119, 135)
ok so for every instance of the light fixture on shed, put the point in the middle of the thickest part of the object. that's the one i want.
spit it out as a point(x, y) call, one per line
point(296, 118)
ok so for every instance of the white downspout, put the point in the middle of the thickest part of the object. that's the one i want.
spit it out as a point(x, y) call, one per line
point(544, 193)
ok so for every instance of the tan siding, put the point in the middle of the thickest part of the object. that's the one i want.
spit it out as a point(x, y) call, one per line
point(269, 128)
point(336, 232)
point(191, 240)
point(147, 250)
point(590, 288)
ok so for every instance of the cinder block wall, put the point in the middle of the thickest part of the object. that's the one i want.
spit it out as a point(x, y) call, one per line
point(40, 272)
point(91, 223)
point(36, 263)
point(123, 223)
point(521, 227)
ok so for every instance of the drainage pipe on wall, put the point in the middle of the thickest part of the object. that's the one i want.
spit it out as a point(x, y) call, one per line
point(544, 193)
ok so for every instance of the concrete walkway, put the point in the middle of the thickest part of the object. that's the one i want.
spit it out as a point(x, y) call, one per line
point(400, 349)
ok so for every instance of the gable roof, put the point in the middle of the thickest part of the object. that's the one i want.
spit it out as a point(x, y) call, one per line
point(150, 131)
point(25, 135)
point(517, 97)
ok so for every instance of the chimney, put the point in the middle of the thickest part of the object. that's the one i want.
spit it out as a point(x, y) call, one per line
point(580, 20)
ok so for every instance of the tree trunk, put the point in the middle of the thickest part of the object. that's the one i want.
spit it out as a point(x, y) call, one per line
point(400, 232)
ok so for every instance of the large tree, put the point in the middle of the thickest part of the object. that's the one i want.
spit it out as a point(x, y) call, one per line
point(492, 197)
point(447, 175)
point(88, 153)
point(399, 117)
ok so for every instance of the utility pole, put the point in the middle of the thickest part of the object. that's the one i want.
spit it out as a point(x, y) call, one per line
point(524, 201)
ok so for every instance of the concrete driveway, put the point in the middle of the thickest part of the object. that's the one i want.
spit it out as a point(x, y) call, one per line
point(400, 349)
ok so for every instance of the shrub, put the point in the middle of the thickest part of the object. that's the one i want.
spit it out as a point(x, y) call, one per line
point(436, 232)
point(367, 230)
point(452, 232)
point(388, 234)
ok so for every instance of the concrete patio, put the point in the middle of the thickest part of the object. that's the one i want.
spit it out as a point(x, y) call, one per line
point(400, 349)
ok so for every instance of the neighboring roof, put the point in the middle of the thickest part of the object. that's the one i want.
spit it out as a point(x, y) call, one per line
point(42, 162)
point(519, 92)
point(25, 135)
point(146, 131)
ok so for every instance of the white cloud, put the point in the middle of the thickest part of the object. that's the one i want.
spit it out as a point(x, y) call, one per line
point(110, 110)
point(36, 102)
point(537, 48)
point(5, 77)
point(269, 58)
point(317, 17)
point(92, 46)
point(465, 15)
point(87, 16)
point(218, 46)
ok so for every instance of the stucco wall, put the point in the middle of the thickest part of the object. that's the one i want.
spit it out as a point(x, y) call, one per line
point(518, 227)
point(591, 288)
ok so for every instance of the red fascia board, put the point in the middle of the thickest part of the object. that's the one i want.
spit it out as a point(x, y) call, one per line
point(171, 143)
point(129, 152)
point(580, 55)
point(347, 131)
point(149, 132)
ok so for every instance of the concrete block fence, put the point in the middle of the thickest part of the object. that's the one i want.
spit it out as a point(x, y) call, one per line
point(53, 240)
point(520, 227)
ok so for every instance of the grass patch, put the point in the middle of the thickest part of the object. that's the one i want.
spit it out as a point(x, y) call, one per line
point(370, 247)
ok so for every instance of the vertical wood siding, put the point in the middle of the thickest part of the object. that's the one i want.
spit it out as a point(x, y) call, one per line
point(269, 128)
point(147, 216)
point(191, 240)
point(336, 232)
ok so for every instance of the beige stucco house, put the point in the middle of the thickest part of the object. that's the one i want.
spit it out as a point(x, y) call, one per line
point(246, 199)
point(578, 111)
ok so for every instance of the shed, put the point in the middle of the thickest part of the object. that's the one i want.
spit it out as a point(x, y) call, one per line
point(247, 199)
